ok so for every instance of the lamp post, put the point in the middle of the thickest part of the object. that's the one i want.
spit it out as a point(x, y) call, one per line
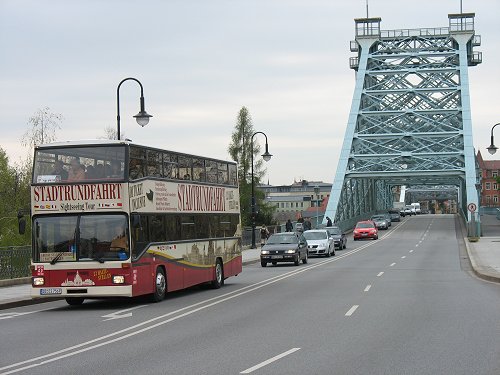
point(266, 156)
point(142, 117)
point(492, 148)
point(316, 191)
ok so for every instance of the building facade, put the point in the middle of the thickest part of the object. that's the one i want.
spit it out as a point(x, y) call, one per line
point(489, 171)
point(297, 200)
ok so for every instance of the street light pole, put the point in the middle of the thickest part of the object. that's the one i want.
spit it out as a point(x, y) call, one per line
point(266, 156)
point(142, 117)
point(492, 148)
point(316, 191)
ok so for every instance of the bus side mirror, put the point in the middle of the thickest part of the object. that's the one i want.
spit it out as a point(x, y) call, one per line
point(21, 221)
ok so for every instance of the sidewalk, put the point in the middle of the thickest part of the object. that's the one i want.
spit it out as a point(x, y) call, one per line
point(484, 256)
point(19, 295)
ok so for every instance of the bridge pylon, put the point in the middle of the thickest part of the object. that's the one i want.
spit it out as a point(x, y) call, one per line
point(410, 118)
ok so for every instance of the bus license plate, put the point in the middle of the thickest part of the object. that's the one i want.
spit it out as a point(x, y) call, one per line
point(47, 291)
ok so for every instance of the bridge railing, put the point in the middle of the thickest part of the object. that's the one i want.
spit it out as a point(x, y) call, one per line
point(15, 262)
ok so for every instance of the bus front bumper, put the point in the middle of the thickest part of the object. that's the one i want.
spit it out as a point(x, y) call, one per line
point(87, 292)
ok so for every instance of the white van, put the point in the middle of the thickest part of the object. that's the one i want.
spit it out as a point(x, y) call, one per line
point(416, 206)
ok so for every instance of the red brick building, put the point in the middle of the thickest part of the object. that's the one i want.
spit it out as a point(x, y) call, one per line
point(489, 171)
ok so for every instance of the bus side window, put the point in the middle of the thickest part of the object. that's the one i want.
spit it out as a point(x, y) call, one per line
point(140, 236)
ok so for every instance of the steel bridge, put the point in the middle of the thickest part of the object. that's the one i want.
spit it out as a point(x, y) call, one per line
point(410, 118)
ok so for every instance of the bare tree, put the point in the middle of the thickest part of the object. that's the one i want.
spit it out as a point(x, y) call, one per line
point(42, 128)
point(110, 133)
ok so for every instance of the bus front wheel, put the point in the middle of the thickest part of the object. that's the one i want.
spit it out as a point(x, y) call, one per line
point(74, 301)
point(160, 285)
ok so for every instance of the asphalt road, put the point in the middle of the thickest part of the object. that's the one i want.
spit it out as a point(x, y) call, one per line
point(405, 304)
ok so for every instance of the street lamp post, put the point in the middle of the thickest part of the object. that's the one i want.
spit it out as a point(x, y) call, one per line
point(316, 191)
point(492, 148)
point(266, 156)
point(142, 117)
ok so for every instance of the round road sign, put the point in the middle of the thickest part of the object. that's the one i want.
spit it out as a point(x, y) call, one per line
point(472, 207)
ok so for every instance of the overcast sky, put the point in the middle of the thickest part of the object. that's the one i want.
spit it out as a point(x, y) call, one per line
point(200, 61)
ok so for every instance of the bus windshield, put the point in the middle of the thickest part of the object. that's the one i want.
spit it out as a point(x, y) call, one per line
point(79, 164)
point(80, 237)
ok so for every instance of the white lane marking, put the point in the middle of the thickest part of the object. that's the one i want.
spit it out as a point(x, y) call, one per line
point(351, 310)
point(416, 245)
point(380, 274)
point(16, 314)
point(392, 264)
point(70, 351)
point(403, 257)
point(269, 361)
point(120, 314)
point(368, 288)
point(411, 251)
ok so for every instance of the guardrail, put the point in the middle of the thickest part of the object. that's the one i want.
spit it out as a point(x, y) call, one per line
point(15, 262)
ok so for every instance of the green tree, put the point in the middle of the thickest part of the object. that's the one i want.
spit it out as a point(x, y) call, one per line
point(240, 150)
point(14, 194)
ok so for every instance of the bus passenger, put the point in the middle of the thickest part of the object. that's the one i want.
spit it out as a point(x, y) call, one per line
point(99, 171)
point(76, 171)
point(135, 169)
point(116, 169)
point(59, 170)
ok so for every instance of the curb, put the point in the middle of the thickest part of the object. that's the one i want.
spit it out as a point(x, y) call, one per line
point(481, 274)
point(12, 282)
point(25, 302)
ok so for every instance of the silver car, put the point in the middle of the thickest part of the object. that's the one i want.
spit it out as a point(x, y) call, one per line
point(319, 242)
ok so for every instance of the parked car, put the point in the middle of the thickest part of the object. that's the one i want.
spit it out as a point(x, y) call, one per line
point(380, 221)
point(319, 242)
point(284, 247)
point(365, 229)
point(339, 237)
point(395, 215)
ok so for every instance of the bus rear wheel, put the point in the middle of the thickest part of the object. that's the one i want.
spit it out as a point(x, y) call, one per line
point(219, 275)
point(74, 301)
point(160, 285)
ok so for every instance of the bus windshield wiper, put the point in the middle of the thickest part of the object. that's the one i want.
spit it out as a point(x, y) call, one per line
point(57, 257)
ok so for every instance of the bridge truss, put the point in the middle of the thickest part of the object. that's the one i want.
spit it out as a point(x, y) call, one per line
point(410, 118)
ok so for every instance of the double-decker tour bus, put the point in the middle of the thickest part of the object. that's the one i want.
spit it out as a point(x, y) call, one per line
point(116, 219)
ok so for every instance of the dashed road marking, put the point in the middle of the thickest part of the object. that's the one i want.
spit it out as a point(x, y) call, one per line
point(269, 361)
point(411, 251)
point(403, 257)
point(380, 274)
point(392, 264)
point(367, 288)
point(351, 310)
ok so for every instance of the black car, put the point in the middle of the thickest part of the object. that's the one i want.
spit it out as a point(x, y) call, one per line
point(395, 215)
point(339, 237)
point(284, 247)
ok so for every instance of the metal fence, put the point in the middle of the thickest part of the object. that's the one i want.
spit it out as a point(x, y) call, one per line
point(15, 262)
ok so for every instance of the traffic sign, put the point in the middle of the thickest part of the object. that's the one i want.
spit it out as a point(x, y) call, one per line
point(472, 207)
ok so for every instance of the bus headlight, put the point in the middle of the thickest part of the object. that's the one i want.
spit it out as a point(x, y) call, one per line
point(38, 281)
point(118, 279)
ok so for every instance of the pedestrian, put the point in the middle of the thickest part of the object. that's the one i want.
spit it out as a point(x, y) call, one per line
point(307, 224)
point(289, 226)
point(328, 222)
point(264, 234)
